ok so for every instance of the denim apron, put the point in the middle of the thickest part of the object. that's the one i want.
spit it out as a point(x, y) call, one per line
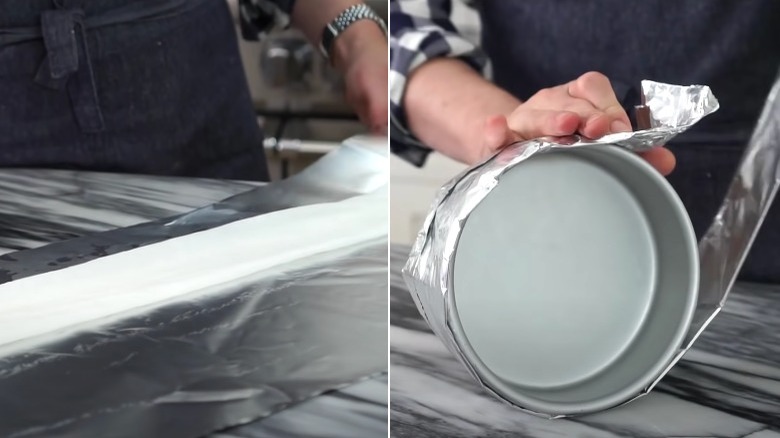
point(149, 87)
point(731, 46)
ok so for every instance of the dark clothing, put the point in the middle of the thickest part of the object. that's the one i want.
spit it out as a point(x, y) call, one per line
point(153, 87)
point(729, 45)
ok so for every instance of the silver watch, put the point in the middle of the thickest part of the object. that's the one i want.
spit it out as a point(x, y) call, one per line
point(349, 16)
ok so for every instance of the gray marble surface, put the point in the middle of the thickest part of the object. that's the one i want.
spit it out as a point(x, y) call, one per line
point(38, 207)
point(359, 411)
point(43, 206)
point(728, 385)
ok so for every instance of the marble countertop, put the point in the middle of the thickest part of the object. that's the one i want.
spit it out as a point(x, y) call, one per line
point(44, 206)
point(728, 385)
point(38, 207)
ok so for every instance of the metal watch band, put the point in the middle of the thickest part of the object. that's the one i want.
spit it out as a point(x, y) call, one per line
point(349, 16)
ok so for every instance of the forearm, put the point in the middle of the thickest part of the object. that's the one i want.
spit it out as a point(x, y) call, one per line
point(446, 104)
point(311, 17)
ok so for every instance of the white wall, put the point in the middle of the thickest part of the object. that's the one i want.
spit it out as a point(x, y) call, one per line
point(411, 193)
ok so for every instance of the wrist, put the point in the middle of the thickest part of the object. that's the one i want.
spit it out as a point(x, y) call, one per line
point(447, 105)
point(360, 36)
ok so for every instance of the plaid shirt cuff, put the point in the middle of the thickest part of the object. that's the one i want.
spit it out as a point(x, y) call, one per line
point(417, 37)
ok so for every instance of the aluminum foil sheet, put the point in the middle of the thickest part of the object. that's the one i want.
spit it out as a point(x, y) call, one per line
point(674, 109)
point(245, 351)
point(363, 407)
point(192, 367)
point(358, 167)
point(726, 244)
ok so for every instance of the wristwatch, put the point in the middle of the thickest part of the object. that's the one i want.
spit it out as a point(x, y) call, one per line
point(349, 16)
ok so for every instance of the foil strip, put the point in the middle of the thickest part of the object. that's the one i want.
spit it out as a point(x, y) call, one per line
point(357, 167)
point(674, 109)
point(725, 245)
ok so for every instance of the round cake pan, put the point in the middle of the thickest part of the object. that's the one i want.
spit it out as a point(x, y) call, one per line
point(574, 281)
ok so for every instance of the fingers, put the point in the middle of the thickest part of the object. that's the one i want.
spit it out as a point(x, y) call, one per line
point(597, 90)
point(372, 112)
point(524, 124)
point(379, 113)
point(376, 117)
point(366, 90)
point(587, 105)
point(592, 98)
point(660, 158)
point(593, 123)
point(532, 123)
point(499, 132)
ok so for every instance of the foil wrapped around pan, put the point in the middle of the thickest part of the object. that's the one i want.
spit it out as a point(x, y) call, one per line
point(673, 110)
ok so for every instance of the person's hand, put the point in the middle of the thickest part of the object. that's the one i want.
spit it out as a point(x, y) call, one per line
point(586, 106)
point(363, 63)
point(366, 88)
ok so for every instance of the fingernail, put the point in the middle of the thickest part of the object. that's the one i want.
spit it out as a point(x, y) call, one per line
point(619, 126)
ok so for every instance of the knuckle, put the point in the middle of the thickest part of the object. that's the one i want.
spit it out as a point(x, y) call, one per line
point(590, 80)
point(544, 93)
point(517, 112)
point(577, 106)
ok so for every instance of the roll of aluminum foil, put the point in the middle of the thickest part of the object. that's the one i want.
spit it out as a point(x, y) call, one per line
point(673, 110)
point(189, 367)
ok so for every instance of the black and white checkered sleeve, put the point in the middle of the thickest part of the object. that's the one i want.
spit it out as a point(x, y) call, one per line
point(259, 17)
point(421, 30)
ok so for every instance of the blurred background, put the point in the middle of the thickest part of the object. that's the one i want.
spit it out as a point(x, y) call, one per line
point(300, 103)
point(298, 97)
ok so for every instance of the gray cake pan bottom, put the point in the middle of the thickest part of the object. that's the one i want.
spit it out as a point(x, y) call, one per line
point(574, 281)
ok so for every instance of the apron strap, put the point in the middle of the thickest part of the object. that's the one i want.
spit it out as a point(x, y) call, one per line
point(59, 38)
point(64, 33)
point(67, 64)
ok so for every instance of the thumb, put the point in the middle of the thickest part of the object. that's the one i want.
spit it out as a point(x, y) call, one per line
point(496, 134)
point(661, 158)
